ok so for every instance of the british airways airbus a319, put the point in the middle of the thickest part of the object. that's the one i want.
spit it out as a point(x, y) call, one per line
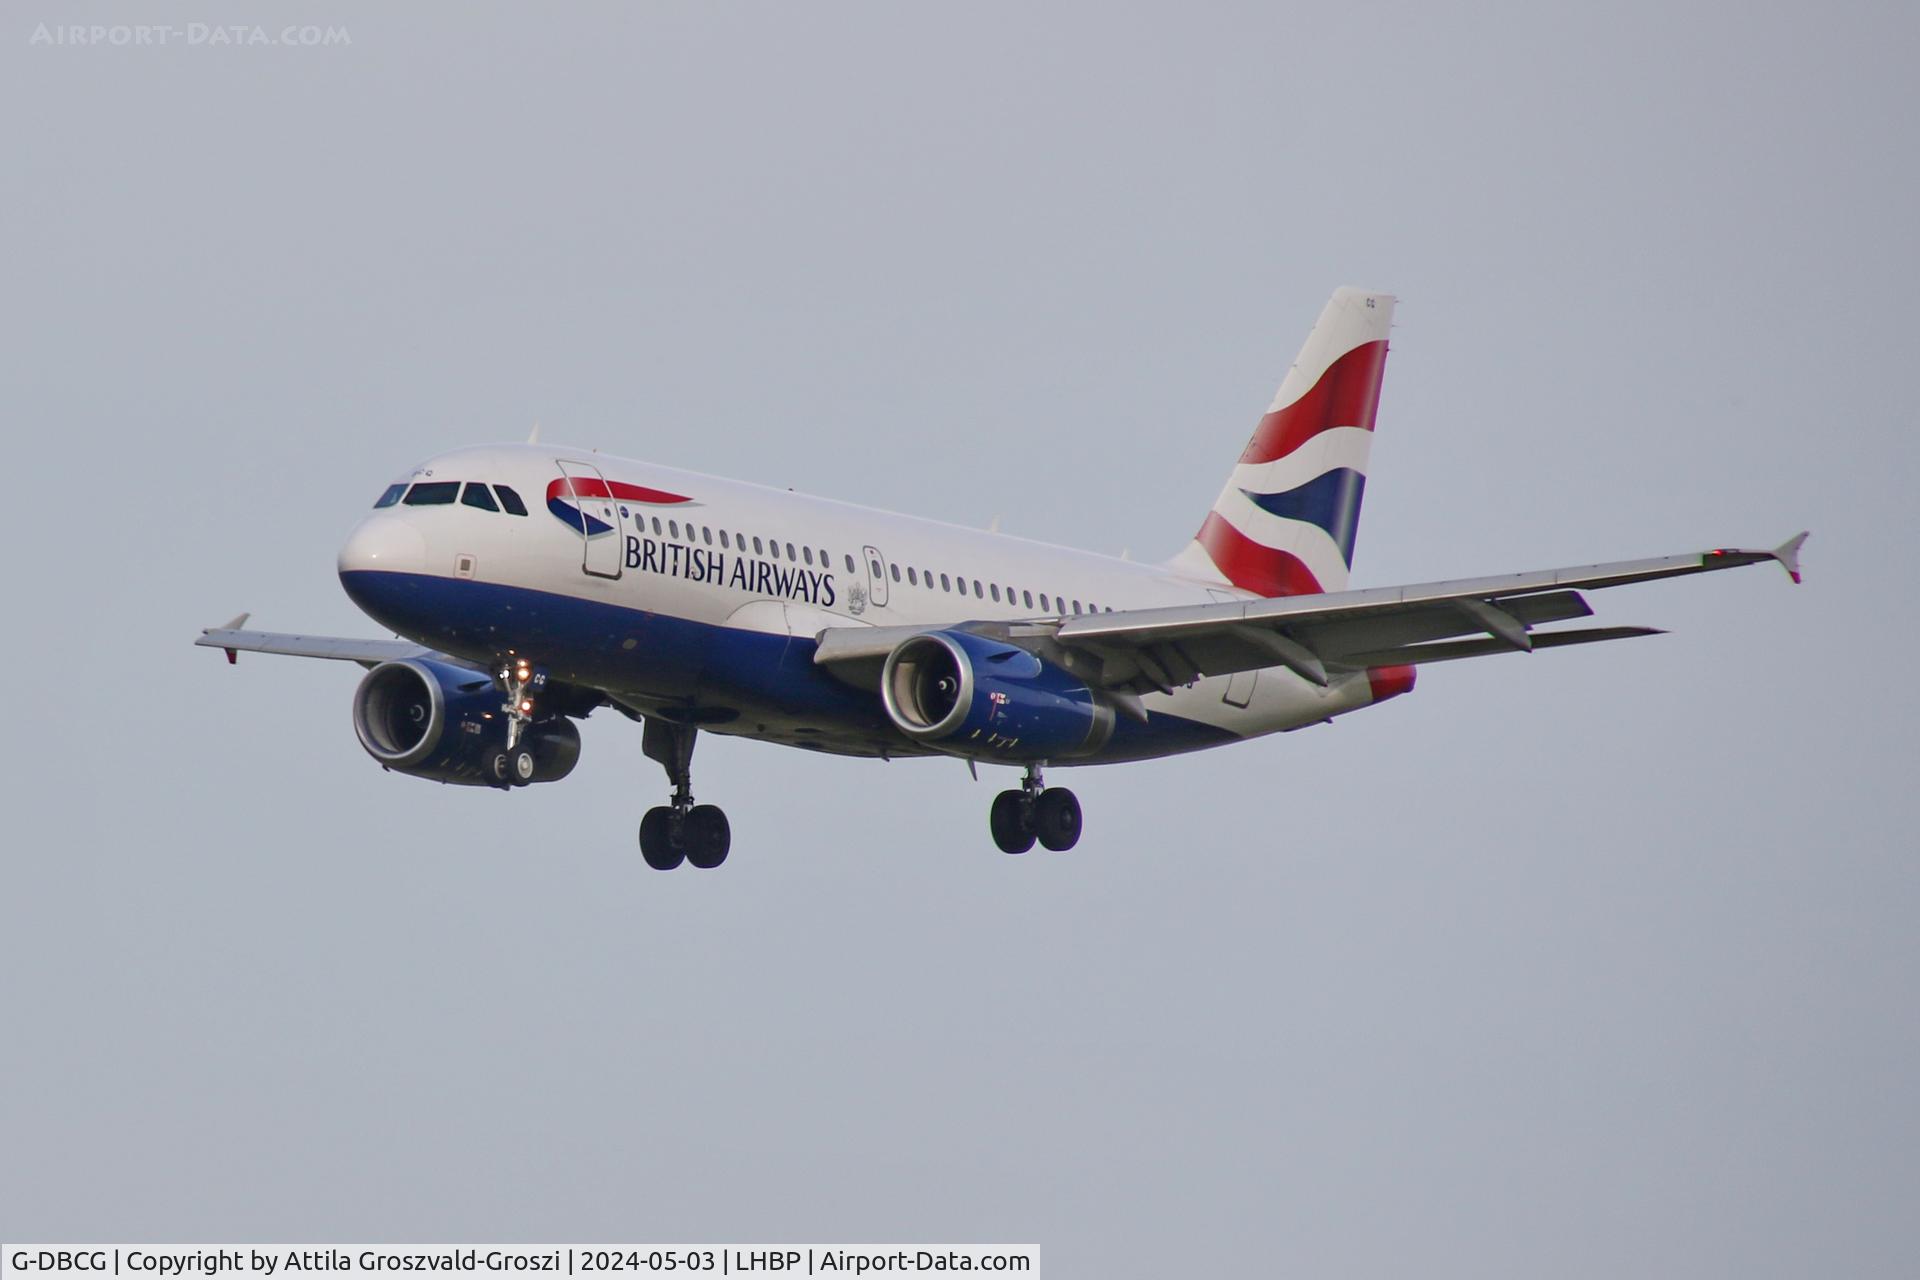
point(534, 584)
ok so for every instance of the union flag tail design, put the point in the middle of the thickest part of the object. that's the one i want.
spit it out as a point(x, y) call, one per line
point(1284, 524)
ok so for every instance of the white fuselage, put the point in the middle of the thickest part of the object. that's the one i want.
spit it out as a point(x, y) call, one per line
point(658, 583)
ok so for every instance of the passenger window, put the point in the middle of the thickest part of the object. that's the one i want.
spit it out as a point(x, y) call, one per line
point(706, 535)
point(1076, 606)
point(944, 584)
point(849, 564)
point(790, 554)
point(773, 548)
point(656, 526)
point(996, 593)
point(826, 561)
point(1044, 606)
point(391, 496)
point(438, 493)
point(510, 500)
point(913, 579)
point(476, 495)
point(757, 548)
point(1028, 597)
point(977, 591)
point(894, 569)
point(673, 528)
point(723, 539)
point(808, 553)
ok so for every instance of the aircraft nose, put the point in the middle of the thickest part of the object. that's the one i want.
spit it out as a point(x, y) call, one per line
point(385, 545)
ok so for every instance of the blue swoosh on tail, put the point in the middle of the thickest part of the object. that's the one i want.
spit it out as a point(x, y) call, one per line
point(1330, 500)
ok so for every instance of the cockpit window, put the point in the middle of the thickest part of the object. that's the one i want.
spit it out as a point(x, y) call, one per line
point(435, 493)
point(476, 495)
point(391, 496)
point(510, 500)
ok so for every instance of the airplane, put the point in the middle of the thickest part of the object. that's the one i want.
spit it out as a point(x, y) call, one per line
point(529, 585)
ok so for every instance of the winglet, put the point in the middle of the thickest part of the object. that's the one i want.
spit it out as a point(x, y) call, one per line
point(239, 621)
point(1788, 554)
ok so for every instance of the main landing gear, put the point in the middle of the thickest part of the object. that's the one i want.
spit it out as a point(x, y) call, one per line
point(514, 766)
point(680, 831)
point(1036, 811)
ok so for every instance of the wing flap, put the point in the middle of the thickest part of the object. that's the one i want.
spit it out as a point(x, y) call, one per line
point(1446, 651)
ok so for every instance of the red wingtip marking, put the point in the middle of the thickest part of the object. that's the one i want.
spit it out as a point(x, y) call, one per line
point(233, 657)
point(1390, 682)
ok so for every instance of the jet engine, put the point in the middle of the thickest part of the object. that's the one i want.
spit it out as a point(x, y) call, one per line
point(430, 719)
point(974, 696)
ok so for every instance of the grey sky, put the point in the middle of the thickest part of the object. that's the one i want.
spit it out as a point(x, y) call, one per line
point(1589, 963)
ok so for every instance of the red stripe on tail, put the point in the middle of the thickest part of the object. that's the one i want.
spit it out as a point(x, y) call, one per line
point(1252, 567)
point(1347, 395)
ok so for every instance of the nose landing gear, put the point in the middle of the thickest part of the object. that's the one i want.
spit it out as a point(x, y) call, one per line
point(680, 831)
point(515, 766)
point(1036, 811)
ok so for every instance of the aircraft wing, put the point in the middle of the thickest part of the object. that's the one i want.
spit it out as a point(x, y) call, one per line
point(368, 653)
point(1318, 635)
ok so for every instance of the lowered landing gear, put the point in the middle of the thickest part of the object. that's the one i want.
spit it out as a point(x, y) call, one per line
point(680, 831)
point(1036, 811)
point(515, 766)
point(699, 837)
point(512, 768)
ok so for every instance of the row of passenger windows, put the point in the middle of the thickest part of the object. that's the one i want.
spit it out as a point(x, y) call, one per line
point(914, 577)
point(1021, 598)
point(770, 547)
point(443, 493)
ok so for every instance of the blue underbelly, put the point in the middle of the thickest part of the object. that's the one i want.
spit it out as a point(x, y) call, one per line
point(723, 677)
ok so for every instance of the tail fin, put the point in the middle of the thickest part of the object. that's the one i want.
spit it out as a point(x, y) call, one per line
point(1284, 524)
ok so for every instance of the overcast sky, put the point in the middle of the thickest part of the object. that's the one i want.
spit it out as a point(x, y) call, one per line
point(1589, 963)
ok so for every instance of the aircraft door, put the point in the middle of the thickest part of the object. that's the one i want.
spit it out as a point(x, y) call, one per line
point(876, 577)
point(586, 493)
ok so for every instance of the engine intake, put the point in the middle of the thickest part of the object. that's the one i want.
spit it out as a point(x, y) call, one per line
point(430, 719)
point(980, 697)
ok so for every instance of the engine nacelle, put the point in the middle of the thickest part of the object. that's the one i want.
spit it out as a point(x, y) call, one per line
point(433, 720)
point(979, 697)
